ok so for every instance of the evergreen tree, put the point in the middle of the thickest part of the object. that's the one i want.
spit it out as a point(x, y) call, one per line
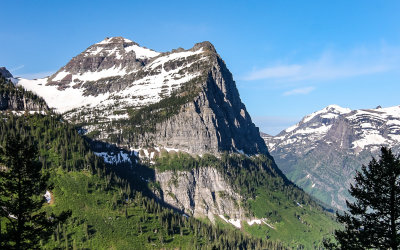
point(22, 188)
point(373, 220)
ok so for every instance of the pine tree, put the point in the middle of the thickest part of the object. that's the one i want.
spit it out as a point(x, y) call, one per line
point(22, 188)
point(373, 220)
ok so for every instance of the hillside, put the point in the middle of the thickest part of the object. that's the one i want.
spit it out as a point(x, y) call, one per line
point(323, 150)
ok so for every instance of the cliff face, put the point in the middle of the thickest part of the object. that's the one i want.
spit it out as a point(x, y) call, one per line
point(16, 98)
point(200, 192)
point(11, 101)
point(215, 120)
point(5, 73)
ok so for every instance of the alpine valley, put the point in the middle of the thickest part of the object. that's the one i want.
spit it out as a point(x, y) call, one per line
point(156, 150)
point(322, 152)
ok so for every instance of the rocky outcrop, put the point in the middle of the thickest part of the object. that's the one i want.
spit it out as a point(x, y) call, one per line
point(20, 103)
point(17, 99)
point(200, 192)
point(5, 73)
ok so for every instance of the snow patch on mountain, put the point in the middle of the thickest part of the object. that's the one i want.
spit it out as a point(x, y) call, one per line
point(61, 100)
point(140, 52)
point(235, 222)
point(332, 110)
point(147, 90)
point(114, 158)
point(371, 127)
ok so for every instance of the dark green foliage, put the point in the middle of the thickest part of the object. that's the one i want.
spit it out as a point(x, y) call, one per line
point(58, 142)
point(22, 186)
point(135, 223)
point(246, 173)
point(373, 220)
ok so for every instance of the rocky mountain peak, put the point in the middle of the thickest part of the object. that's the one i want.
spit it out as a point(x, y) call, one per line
point(323, 150)
point(183, 99)
point(337, 109)
point(206, 46)
point(5, 73)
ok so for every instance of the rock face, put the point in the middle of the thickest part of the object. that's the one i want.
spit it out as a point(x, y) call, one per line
point(5, 73)
point(322, 151)
point(17, 99)
point(20, 103)
point(200, 192)
point(103, 87)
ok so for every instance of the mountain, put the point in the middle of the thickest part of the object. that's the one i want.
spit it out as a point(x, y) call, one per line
point(135, 97)
point(173, 124)
point(323, 150)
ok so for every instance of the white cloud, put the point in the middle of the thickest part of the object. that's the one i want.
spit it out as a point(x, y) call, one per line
point(333, 65)
point(299, 91)
point(275, 72)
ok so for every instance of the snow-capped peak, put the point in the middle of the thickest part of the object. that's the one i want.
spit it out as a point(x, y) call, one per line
point(116, 39)
point(127, 46)
point(332, 109)
point(117, 71)
point(337, 109)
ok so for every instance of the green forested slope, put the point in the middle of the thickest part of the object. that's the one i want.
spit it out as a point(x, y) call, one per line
point(113, 207)
point(108, 211)
point(293, 216)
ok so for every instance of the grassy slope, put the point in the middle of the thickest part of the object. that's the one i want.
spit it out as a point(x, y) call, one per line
point(108, 227)
point(293, 224)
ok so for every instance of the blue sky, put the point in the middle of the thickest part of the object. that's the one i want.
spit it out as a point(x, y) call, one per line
point(289, 58)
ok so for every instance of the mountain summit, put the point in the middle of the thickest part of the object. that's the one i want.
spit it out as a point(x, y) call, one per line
point(135, 97)
point(323, 150)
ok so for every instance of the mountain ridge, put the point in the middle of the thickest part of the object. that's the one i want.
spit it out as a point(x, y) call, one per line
point(196, 85)
point(323, 150)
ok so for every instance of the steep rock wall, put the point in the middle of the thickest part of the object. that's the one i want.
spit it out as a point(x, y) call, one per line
point(216, 120)
point(200, 192)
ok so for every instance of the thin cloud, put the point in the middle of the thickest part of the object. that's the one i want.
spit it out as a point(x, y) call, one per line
point(333, 65)
point(17, 68)
point(299, 91)
point(275, 72)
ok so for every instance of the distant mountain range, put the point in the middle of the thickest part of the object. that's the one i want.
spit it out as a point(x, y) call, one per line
point(323, 150)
